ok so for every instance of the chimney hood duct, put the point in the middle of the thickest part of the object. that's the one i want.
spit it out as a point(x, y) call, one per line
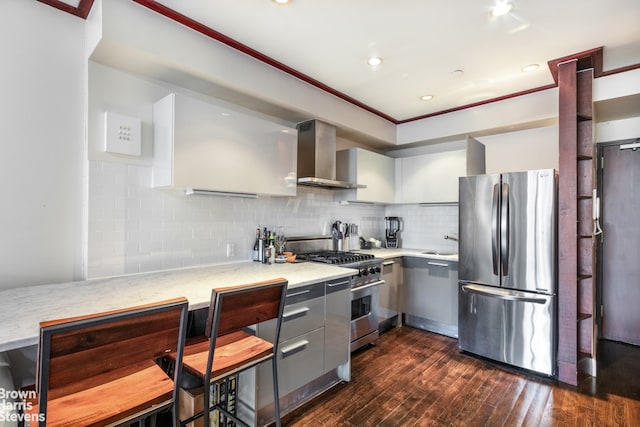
point(317, 156)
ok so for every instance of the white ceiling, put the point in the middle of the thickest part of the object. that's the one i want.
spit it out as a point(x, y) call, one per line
point(422, 42)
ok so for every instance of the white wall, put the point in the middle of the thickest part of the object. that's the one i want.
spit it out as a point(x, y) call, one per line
point(616, 130)
point(522, 150)
point(41, 140)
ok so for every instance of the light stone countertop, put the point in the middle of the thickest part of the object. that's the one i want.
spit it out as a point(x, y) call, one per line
point(24, 308)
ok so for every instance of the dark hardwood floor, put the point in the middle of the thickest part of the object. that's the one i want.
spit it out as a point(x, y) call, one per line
point(416, 378)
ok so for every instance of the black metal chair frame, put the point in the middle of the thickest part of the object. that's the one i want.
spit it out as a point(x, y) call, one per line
point(218, 297)
point(47, 332)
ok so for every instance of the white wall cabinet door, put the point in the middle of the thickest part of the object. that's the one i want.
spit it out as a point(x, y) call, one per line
point(363, 167)
point(431, 178)
point(204, 146)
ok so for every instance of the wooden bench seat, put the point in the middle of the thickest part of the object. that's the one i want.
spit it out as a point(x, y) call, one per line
point(233, 350)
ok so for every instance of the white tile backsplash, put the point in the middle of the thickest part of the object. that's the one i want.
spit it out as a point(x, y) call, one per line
point(424, 227)
point(134, 228)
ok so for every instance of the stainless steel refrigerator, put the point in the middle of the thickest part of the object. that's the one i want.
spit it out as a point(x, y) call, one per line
point(507, 273)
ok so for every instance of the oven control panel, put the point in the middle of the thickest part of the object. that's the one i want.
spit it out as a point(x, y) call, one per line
point(367, 273)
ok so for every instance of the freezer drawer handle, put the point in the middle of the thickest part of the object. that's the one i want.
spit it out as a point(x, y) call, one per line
point(501, 294)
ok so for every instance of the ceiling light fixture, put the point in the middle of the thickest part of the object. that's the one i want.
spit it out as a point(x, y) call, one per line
point(501, 8)
point(374, 61)
point(426, 97)
point(529, 68)
point(282, 2)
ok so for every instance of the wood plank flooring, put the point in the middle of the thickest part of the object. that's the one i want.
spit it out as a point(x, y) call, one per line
point(416, 378)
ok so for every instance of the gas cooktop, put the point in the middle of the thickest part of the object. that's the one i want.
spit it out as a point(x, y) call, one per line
point(336, 257)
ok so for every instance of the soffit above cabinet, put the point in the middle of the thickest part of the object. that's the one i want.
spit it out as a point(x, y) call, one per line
point(134, 39)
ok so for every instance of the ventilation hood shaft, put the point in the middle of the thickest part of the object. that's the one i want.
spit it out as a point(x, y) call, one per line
point(317, 156)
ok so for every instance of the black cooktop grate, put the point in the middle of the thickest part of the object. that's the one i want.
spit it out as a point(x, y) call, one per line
point(336, 257)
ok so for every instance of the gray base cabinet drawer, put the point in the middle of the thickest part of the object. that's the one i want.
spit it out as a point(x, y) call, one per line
point(304, 312)
point(300, 360)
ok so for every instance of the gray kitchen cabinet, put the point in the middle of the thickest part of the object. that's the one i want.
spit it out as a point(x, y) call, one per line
point(200, 145)
point(337, 326)
point(433, 177)
point(430, 298)
point(303, 312)
point(391, 293)
point(313, 352)
point(375, 171)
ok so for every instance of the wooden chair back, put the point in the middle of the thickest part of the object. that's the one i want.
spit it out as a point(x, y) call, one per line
point(76, 353)
point(237, 307)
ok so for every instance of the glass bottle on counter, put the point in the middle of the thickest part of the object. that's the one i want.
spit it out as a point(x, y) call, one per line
point(272, 249)
point(257, 247)
point(264, 245)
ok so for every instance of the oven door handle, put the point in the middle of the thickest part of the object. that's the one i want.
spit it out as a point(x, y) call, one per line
point(368, 285)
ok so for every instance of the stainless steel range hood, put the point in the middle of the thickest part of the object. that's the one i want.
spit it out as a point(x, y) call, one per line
point(317, 156)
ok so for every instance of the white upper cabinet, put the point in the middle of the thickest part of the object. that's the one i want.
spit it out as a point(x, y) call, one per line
point(433, 177)
point(202, 146)
point(363, 167)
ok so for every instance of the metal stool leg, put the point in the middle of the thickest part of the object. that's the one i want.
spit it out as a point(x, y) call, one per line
point(276, 395)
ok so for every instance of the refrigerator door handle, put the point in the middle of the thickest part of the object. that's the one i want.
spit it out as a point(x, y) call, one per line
point(504, 230)
point(502, 294)
point(495, 219)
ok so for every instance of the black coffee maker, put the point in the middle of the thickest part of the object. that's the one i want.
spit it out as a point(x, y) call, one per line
point(392, 233)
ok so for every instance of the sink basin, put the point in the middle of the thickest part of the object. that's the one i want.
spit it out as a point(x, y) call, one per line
point(441, 253)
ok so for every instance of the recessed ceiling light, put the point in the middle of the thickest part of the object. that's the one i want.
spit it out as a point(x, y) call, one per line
point(529, 68)
point(281, 1)
point(373, 61)
point(501, 8)
point(426, 97)
point(457, 73)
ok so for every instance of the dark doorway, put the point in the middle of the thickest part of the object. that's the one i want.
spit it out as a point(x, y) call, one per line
point(619, 296)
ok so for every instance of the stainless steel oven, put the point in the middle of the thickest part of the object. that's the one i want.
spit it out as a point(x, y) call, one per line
point(365, 291)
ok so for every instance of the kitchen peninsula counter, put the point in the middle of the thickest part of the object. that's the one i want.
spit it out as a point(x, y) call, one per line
point(22, 309)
